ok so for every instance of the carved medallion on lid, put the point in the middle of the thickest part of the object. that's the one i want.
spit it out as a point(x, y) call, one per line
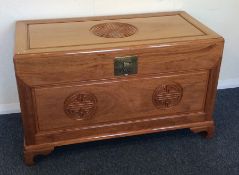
point(113, 30)
point(167, 95)
point(80, 105)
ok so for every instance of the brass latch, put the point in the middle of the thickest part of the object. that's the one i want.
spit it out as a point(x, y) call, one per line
point(127, 65)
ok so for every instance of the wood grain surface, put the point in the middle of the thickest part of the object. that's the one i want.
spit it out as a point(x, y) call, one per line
point(64, 35)
point(69, 93)
point(119, 100)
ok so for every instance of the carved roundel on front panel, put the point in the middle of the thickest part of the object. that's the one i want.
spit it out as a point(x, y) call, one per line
point(113, 30)
point(167, 95)
point(80, 105)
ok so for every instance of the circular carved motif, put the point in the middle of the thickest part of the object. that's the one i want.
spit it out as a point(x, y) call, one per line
point(80, 105)
point(113, 30)
point(167, 95)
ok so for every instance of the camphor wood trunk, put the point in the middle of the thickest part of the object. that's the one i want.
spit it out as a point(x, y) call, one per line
point(88, 79)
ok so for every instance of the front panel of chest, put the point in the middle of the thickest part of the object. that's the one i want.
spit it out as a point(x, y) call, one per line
point(117, 101)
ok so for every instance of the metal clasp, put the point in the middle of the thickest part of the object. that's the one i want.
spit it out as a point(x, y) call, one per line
point(126, 65)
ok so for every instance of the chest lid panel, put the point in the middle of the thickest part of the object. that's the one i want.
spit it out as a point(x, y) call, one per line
point(80, 33)
point(39, 36)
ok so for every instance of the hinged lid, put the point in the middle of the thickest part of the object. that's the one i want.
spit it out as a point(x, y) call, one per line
point(101, 33)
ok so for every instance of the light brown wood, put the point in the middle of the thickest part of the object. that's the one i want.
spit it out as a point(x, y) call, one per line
point(28, 114)
point(73, 34)
point(61, 35)
point(69, 93)
point(210, 130)
point(95, 66)
point(29, 154)
point(123, 97)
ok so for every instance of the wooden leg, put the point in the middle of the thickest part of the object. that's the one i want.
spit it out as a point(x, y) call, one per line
point(29, 155)
point(29, 158)
point(210, 130)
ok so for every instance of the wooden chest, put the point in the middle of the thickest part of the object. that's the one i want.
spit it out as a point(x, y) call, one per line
point(88, 79)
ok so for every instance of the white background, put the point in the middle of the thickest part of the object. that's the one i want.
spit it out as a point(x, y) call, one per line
point(220, 15)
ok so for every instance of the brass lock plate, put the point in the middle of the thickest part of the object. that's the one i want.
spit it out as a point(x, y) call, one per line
point(126, 65)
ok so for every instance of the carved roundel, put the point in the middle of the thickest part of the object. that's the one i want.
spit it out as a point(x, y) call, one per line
point(167, 95)
point(80, 105)
point(113, 30)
